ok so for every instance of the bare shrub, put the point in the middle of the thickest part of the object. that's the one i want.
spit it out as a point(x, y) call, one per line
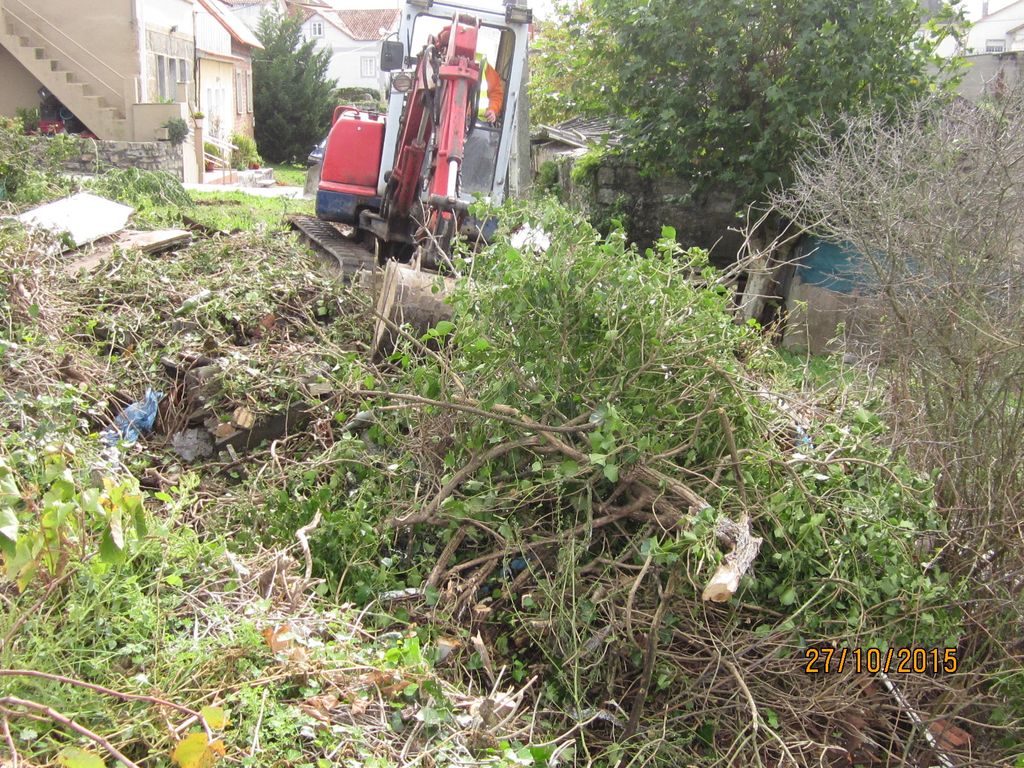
point(934, 203)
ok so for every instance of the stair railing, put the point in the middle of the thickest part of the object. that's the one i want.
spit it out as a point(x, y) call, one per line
point(224, 160)
point(118, 94)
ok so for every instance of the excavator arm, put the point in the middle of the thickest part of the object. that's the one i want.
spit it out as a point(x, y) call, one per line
point(402, 178)
point(423, 188)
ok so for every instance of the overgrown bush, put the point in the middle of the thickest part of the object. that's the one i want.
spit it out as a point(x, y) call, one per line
point(548, 178)
point(559, 475)
point(29, 118)
point(934, 205)
point(726, 103)
point(29, 168)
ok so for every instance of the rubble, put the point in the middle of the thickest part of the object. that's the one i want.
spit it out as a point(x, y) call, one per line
point(144, 242)
point(193, 443)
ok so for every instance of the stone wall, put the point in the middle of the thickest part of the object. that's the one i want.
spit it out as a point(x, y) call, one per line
point(825, 309)
point(613, 188)
point(94, 156)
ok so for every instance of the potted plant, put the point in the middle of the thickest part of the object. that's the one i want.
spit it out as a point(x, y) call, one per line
point(211, 152)
point(246, 155)
point(197, 119)
point(177, 131)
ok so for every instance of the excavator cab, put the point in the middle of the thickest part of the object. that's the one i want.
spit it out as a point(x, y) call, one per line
point(407, 177)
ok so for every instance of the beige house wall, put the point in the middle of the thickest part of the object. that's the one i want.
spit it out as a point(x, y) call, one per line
point(217, 97)
point(100, 46)
point(177, 45)
point(98, 41)
point(19, 86)
point(244, 122)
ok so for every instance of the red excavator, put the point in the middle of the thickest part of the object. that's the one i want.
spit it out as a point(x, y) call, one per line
point(406, 178)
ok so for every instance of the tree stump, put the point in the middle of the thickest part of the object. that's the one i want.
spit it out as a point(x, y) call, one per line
point(406, 296)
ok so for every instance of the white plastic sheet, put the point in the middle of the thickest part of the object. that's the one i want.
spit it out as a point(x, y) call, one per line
point(84, 217)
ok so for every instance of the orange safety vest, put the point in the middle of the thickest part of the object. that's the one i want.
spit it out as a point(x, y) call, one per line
point(493, 96)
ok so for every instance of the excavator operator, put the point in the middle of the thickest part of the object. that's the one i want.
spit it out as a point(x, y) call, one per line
point(492, 88)
point(492, 91)
point(481, 150)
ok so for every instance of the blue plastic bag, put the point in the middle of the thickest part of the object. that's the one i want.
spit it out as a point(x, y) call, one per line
point(135, 420)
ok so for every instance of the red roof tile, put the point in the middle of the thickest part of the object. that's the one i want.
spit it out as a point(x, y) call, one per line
point(367, 25)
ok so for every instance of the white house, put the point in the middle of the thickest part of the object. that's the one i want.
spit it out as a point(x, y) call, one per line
point(995, 26)
point(989, 42)
point(366, 28)
point(997, 31)
point(353, 37)
point(350, 29)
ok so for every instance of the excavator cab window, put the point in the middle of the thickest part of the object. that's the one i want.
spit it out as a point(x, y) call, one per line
point(497, 45)
point(481, 154)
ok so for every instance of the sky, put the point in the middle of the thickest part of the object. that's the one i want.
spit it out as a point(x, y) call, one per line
point(542, 9)
point(974, 7)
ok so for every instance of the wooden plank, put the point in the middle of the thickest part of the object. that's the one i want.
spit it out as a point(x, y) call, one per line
point(155, 241)
point(146, 242)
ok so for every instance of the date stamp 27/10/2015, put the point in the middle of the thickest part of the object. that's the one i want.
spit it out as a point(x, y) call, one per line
point(823, 661)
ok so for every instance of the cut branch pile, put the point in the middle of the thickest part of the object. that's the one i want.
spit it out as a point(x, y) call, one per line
point(601, 456)
point(587, 484)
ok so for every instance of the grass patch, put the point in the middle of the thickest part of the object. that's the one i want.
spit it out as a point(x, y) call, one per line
point(225, 211)
point(289, 174)
point(241, 211)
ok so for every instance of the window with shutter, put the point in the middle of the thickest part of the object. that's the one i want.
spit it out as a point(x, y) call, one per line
point(239, 106)
point(172, 79)
point(161, 77)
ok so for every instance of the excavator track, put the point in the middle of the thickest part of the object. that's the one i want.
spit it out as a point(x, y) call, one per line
point(335, 243)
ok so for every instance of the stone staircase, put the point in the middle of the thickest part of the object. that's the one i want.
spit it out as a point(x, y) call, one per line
point(82, 82)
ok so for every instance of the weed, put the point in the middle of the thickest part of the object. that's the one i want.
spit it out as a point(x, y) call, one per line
point(140, 189)
point(246, 154)
point(585, 168)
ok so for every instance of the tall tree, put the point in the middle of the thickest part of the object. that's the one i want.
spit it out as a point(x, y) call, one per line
point(723, 89)
point(572, 66)
point(292, 96)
